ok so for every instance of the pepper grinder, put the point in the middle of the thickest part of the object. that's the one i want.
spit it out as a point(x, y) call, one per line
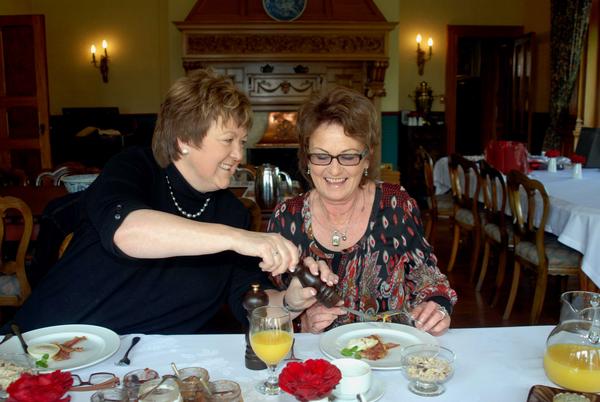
point(254, 298)
point(327, 295)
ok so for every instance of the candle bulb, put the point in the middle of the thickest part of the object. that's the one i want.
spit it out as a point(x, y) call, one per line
point(105, 46)
point(430, 45)
point(93, 50)
point(419, 39)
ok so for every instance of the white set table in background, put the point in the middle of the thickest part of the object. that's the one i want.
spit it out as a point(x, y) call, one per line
point(574, 214)
point(492, 364)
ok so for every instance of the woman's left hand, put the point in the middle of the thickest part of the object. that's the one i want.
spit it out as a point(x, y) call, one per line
point(431, 317)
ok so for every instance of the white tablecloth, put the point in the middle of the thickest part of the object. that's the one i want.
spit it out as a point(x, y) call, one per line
point(492, 364)
point(574, 214)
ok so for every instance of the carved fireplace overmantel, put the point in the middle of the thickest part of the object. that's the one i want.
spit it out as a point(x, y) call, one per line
point(281, 64)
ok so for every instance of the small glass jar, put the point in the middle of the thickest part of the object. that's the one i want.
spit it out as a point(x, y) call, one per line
point(192, 384)
point(134, 379)
point(159, 390)
point(225, 391)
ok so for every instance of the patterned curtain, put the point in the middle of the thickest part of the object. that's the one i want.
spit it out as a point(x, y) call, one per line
point(569, 23)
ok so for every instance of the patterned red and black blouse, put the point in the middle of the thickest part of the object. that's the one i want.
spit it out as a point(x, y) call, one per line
point(391, 267)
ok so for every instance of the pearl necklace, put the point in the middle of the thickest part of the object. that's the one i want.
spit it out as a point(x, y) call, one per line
point(181, 211)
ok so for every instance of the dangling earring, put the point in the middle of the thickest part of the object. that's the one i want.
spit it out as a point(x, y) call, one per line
point(185, 151)
point(308, 171)
point(366, 172)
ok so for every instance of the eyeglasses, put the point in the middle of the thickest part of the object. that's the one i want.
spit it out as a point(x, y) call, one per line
point(95, 381)
point(323, 159)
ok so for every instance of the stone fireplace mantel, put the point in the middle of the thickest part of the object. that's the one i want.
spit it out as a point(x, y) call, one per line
point(282, 64)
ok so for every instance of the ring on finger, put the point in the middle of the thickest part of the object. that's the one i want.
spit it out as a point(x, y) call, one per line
point(442, 311)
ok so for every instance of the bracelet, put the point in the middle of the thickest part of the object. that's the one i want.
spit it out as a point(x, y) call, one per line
point(290, 308)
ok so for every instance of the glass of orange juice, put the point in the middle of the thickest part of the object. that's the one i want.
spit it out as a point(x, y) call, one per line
point(271, 335)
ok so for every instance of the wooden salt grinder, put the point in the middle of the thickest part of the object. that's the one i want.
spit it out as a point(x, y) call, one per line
point(325, 294)
point(254, 298)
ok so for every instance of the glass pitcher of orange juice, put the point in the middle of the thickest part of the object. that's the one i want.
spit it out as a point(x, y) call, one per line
point(572, 358)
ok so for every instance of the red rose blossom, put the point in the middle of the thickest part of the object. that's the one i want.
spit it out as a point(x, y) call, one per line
point(312, 379)
point(41, 387)
point(577, 159)
point(552, 153)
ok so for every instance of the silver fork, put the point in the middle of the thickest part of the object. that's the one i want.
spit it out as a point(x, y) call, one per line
point(292, 357)
point(125, 360)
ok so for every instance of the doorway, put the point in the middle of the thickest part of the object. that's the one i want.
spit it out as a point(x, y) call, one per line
point(488, 79)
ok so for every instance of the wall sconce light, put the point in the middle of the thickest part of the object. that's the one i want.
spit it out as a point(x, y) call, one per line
point(103, 60)
point(421, 57)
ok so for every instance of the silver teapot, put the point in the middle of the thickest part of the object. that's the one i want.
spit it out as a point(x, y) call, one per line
point(268, 185)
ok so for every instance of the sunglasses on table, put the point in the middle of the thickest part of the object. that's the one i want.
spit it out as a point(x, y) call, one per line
point(324, 159)
point(94, 382)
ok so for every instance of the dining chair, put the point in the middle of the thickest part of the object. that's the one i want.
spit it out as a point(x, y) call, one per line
point(496, 230)
point(439, 205)
point(14, 286)
point(464, 175)
point(534, 248)
point(255, 214)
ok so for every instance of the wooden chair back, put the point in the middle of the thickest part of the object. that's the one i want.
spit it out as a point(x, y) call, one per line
point(493, 189)
point(526, 210)
point(255, 214)
point(427, 162)
point(15, 287)
point(463, 175)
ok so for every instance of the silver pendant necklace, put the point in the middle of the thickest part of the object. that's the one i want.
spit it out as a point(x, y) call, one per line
point(337, 236)
point(181, 211)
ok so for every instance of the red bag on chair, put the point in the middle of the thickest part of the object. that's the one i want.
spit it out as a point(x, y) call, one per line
point(507, 155)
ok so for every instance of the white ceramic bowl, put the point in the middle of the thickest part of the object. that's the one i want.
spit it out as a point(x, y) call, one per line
point(356, 378)
point(78, 182)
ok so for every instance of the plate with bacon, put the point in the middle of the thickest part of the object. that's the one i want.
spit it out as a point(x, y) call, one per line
point(378, 343)
point(67, 347)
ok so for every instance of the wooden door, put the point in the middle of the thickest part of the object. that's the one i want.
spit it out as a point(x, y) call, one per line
point(523, 89)
point(24, 137)
point(489, 86)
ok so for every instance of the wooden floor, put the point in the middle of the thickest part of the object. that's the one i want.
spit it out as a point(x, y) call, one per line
point(473, 308)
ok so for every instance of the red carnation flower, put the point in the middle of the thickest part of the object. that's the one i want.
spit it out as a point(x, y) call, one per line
point(309, 380)
point(40, 388)
point(577, 159)
point(552, 153)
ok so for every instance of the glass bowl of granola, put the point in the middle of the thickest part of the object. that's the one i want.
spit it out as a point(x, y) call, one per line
point(427, 368)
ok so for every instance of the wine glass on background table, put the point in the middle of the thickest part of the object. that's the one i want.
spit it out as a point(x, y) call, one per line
point(271, 336)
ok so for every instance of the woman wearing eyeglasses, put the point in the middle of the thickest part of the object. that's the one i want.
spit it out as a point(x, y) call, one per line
point(369, 233)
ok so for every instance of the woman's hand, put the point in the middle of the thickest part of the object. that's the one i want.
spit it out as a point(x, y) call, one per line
point(319, 317)
point(431, 317)
point(298, 298)
point(278, 254)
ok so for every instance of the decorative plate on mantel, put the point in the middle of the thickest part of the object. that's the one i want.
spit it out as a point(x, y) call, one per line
point(284, 10)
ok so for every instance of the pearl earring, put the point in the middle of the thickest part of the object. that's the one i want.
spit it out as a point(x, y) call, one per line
point(366, 172)
point(185, 151)
point(308, 171)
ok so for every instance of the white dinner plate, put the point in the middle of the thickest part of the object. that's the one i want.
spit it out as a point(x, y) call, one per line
point(373, 394)
point(100, 344)
point(333, 341)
